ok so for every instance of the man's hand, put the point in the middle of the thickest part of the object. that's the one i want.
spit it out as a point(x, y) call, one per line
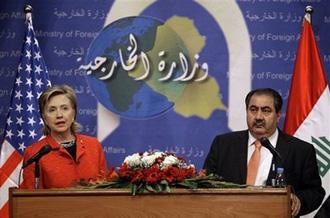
point(295, 205)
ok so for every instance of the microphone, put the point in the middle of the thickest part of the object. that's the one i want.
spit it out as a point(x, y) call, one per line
point(278, 159)
point(266, 143)
point(44, 150)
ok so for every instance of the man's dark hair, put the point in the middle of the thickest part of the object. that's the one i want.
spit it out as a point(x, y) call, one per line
point(266, 91)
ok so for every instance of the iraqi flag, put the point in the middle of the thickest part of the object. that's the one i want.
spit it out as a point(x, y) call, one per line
point(308, 111)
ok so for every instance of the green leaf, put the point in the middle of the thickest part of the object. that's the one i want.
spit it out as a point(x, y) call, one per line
point(188, 184)
point(165, 186)
point(150, 188)
point(164, 182)
point(133, 190)
point(140, 188)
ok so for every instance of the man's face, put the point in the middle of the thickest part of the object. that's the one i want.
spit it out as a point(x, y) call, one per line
point(262, 119)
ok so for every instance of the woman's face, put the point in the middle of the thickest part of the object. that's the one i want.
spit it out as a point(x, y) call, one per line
point(59, 115)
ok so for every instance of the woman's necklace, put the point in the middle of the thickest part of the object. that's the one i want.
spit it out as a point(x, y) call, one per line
point(68, 144)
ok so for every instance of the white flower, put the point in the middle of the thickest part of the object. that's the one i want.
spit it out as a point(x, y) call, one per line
point(191, 166)
point(169, 160)
point(159, 154)
point(148, 160)
point(133, 160)
point(145, 154)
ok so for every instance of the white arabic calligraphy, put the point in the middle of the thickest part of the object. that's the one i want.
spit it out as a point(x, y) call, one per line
point(130, 63)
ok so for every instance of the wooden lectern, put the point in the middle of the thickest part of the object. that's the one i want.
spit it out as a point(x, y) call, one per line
point(199, 203)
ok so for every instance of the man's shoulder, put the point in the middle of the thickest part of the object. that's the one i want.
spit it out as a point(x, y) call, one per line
point(231, 138)
point(296, 142)
point(233, 134)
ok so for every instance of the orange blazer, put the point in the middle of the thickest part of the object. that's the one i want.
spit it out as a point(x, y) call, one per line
point(58, 169)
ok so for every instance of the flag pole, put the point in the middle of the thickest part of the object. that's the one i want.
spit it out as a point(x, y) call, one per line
point(308, 13)
point(28, 13)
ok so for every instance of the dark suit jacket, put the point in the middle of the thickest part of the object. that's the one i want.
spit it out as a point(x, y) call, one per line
point(324, 211)
point(228, 159)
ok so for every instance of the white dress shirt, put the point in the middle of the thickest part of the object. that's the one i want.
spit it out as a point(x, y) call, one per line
point(265, 159)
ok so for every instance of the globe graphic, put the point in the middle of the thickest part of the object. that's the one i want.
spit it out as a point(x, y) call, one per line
point(134, 42)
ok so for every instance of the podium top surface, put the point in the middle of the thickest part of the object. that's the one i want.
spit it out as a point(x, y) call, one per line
point(175, 191)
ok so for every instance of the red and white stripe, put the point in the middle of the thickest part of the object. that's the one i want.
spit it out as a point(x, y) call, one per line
point(10, 165)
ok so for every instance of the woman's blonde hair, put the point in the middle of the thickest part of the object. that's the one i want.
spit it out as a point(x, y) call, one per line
point(54, 91)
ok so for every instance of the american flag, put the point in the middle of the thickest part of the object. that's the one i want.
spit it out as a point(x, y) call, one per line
point(24, 123)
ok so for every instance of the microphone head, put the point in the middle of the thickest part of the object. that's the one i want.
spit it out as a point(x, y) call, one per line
point(266, 143)
point(264, 140)
point(44, 150)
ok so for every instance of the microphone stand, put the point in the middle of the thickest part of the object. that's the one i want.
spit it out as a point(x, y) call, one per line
point(276, 163)
point(36, 174)
point(276, 160)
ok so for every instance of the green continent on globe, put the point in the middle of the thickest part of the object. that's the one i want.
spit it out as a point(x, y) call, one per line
point(122, 88)
point(190, 98)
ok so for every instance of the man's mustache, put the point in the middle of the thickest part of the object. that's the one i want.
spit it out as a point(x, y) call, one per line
point(259, 123)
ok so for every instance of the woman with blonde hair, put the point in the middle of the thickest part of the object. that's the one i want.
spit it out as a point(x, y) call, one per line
point(73, 156)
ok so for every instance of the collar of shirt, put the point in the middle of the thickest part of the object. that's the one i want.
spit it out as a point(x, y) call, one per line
point(272, 139)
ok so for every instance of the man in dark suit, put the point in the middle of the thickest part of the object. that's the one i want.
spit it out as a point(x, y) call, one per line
point(230, 153)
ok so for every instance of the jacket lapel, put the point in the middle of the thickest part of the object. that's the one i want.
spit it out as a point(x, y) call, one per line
point(242, 141)
point(282, 148)
point(50, 141)
point(80, 147)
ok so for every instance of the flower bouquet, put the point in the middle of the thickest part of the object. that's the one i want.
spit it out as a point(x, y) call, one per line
point(157, 172)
